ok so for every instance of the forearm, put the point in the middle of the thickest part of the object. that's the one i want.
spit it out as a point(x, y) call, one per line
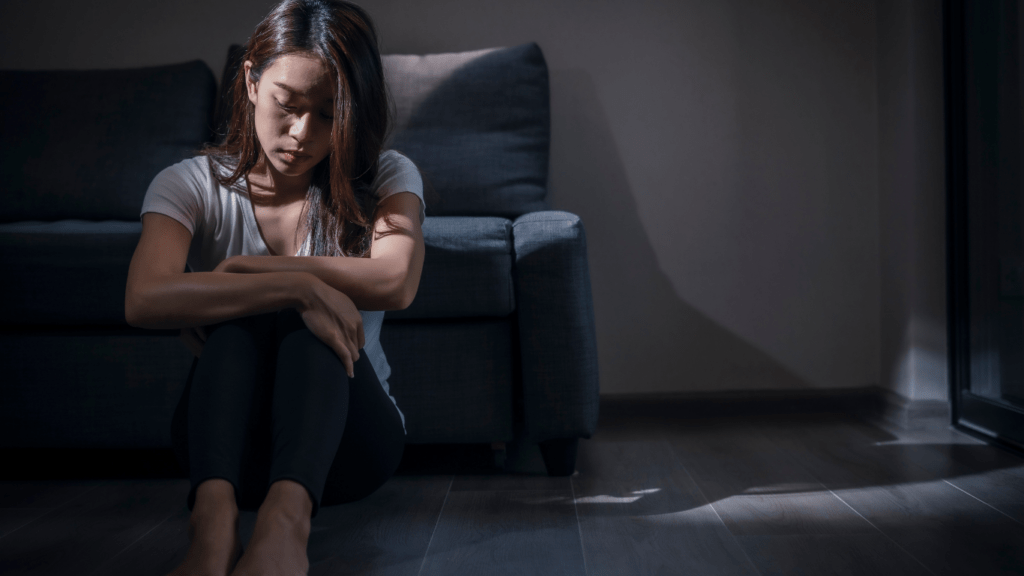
point(202, 298)
point(372, 284)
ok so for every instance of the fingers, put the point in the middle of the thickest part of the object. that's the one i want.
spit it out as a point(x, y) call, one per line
point(350, 368)
point(348, 359)
point(349, 353)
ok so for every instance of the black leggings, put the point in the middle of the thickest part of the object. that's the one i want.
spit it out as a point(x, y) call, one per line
point(269, 401)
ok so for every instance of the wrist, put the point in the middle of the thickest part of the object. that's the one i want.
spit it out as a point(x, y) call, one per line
point(236, 264)
point(229, 264)
point(304, 287)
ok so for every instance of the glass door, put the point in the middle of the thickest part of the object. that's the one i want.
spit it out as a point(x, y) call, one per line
point(985, 215)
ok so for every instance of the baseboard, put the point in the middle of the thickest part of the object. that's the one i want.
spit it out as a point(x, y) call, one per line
point(871, 403)
point(907, 414)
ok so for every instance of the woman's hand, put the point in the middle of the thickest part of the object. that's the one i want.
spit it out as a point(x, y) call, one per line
point(328, 313)
point(334, 319)
point(229, 265)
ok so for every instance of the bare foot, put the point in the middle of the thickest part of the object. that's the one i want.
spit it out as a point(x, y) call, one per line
point(279, 538)
point(214, 546)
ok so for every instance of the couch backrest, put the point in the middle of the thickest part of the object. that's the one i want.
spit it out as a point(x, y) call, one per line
point(86, 144)
point(477, 124)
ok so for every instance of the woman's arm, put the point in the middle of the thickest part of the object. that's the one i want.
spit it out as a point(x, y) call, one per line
point(387, 280)
point(159, 294)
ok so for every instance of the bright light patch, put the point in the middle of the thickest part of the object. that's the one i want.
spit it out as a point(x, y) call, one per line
point(603, 499)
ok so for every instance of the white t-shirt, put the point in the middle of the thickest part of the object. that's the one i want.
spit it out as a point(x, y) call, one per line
point(222, 224)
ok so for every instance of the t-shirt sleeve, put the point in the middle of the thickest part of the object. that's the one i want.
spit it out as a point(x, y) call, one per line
point(177, 192)
point(398, 174)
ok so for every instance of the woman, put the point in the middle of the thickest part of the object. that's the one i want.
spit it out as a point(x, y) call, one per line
point(293, 226)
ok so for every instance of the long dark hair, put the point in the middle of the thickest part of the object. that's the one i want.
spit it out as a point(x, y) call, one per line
point(342, 203)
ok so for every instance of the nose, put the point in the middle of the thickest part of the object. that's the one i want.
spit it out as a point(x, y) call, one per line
point(300, 128)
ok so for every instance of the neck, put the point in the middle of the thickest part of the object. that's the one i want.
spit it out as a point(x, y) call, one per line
point(269, 186)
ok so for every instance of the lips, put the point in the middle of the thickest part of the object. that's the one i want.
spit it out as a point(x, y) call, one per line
point(293, 155)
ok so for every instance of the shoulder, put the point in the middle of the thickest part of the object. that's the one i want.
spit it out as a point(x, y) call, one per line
point(191, 172)
point(182, 191)
point(396, 173)
point(399, 174)
point(393, 162)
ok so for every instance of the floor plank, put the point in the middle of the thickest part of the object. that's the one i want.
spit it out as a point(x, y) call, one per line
point(386, 533)
point(514, 532)
point(835, 555)
point(757, 487)
point(901, 490)
point(24, 501)
point(794, 494)
point(990, 474)
point(158, 552)
point(641, 513)
point(1001, 489)
point(90, 529)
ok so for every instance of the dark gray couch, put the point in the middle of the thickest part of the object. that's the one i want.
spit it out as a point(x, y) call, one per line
point(498, 346)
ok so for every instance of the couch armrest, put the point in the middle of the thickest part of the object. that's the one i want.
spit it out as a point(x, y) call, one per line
point(556, 326)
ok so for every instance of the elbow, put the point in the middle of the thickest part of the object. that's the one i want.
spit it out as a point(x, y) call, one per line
point(135, 309)
point(405, 298)
point(131, 309)
point(403, 293)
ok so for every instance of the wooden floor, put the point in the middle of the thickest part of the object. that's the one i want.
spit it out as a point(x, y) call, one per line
point(797, 494)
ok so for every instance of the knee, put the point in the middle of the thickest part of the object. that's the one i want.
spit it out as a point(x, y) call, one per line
point(303, 344)
point(245, 330)
point(228, 338)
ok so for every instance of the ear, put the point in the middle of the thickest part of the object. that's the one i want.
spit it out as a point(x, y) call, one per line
point(250, 86)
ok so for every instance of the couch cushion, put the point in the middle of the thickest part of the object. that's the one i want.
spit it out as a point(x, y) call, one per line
point(74, 272)
point(470, 396)
point(108, 389)
point(87, 388)
point(467, 269)
point(70, 272)
point(86, 144)
point(477, 125)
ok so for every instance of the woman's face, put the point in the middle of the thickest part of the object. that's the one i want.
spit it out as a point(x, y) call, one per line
point(294, 101)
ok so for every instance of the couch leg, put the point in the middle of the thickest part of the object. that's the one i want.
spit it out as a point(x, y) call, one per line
point(499, 451)
point(560, 455)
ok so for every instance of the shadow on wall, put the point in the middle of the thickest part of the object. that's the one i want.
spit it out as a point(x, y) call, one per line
point(648, 339)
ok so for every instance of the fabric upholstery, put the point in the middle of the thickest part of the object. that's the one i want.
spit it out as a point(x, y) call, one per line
point(477, 125)
point(467, 270)
point(74, 272)
point(66, 273)
point(86, 144)
point(453, 380)
point(557, 335)
point(68, 388)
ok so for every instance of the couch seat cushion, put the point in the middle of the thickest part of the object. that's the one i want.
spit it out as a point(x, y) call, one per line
point(467, 269)
point(74, 272)
point(69, 272)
